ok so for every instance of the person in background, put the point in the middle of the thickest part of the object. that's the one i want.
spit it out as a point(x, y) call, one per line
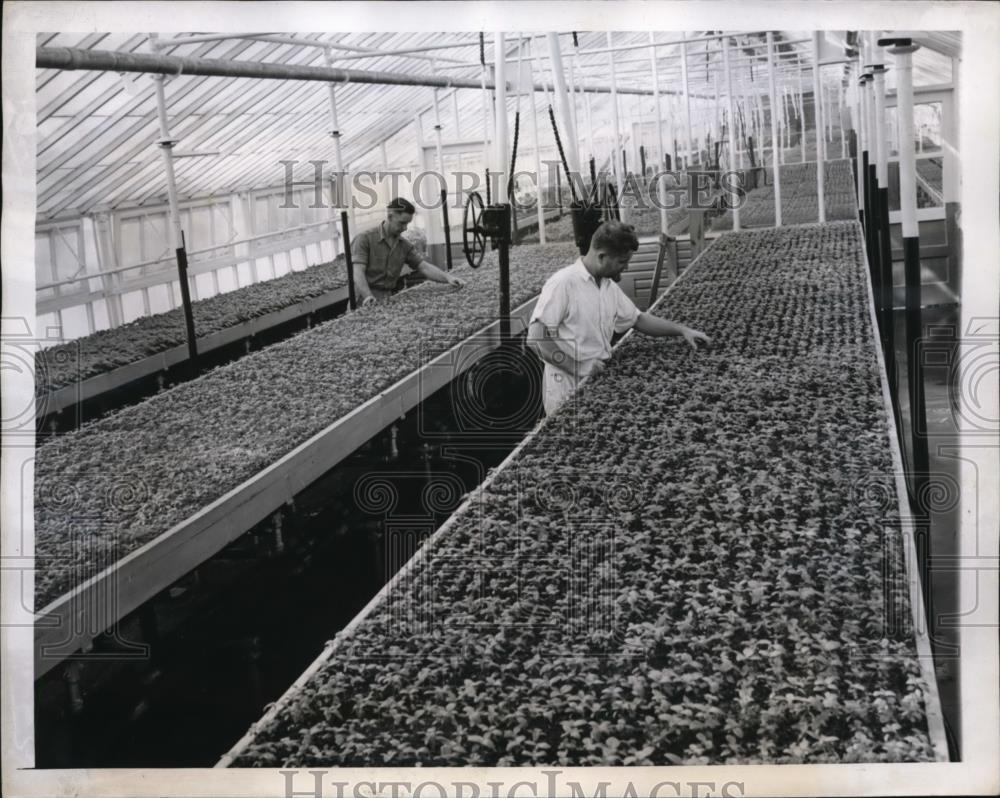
point(581, 307)
point(380, 253)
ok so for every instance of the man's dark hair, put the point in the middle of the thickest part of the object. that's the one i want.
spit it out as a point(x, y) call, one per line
point(615, 238)
point(401, 206)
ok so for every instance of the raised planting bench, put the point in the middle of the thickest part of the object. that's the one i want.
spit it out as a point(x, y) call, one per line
point(130, 503)
point(703, 558)
point(87, 367)
point(799, 202)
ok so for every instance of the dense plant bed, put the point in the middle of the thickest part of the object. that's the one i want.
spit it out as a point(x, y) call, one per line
point(65, 364)
point(108, 488)
point(691, 565)
point(799, 204)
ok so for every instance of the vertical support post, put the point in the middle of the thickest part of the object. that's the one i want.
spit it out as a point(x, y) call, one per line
point(454, 111)
point(615, 125)
point(570, 142)
point(774, 130)
point(882, 181)
point(166, 143)
point(660, 151)
point(540, 202)
point(447, 227)
point(867, 157)
point(903, 49)
point(590, 125)
point(687, 103)
point(820, 149)
point(840, 118)
point(802, 110)
point(108, 261)
point(343, 184)
point(352, 299)
point(733, 144)
point(503, 147)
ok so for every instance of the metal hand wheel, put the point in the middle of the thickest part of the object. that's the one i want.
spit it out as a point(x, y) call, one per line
point(473, 235)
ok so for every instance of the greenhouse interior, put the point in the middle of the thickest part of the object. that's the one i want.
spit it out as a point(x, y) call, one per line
point(300, 495)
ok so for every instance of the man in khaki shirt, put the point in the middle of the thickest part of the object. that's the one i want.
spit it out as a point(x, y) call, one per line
point(581, 307)
point(379, 255)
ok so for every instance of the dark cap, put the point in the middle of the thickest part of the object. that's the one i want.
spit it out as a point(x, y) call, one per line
point(402, 205)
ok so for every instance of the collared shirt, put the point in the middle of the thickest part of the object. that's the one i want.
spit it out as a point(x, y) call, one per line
point(585, 314)
point(383, 263)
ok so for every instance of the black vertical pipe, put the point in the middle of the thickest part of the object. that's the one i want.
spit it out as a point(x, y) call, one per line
point(888, 333)
point(666, 159)
point(505, 276)
point(915, 368)
point(447, 227)
point(866, 219)
point(642, 159)
point(624, 164)
point(559, 193)
point(352, 299)
point(874, 246)
point(182, 273)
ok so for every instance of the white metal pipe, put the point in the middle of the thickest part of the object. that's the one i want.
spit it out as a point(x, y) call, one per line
point(733, 148)
point(165, 145)
point(881, 145)
point(570, 141)
point(659, 111)
point(840, 118)
point(772, 98)
point(539, 204)
point(820, 154)
point(687, 104)
point(616, 129)
point(343, 184)
point(590, 126)
point(907, 158)
point(503, 147)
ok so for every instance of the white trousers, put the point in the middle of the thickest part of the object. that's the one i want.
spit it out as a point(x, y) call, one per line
point(558, 387)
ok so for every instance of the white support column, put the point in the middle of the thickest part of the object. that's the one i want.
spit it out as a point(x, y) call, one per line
point(801, 109)
point(820, 149)
point(615, 124)
point(734, 150)
point(687, 103)
point(907, 158)
point(659, 112)
point(343, 182)
point(570, 141)
point(539, 204)
point(502, 145)
point(772, 101)
point(840, 117)
point(458, 118)
point(165, 145)
point(590, 126)
point(107, 260)
point(879, 128)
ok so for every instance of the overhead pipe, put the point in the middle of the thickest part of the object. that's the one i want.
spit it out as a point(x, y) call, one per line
point(70, 58)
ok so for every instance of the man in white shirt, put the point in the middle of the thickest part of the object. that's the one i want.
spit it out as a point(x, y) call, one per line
point(581, 307)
